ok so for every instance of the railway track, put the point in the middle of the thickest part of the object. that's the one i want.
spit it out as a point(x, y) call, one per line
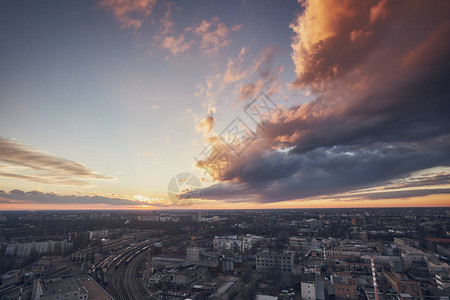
point(120, 271)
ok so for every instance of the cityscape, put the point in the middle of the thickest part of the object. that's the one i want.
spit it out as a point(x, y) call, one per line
point(224, 150)
point(379, 253)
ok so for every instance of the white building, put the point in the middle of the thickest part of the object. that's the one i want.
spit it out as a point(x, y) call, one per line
point(235, 243)
point(312, 289)
point(47, 247)
point(98, 234)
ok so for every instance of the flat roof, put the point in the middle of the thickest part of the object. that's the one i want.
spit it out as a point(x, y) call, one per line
point(94, 290)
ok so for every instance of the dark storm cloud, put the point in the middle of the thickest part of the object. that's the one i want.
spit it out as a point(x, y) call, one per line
point(415, 111)
point(379, 72)
point(51, 198)
point(278, 176)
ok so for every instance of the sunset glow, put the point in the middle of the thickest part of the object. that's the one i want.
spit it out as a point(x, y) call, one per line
point(224, 105)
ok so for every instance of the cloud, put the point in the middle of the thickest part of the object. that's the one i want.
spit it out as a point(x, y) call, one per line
point(175, 44)
point(20, 161)
point(237, 27)
point(421, 180)
point(356, 36)
point(206, 124)
point(167, 38)
point(235, 71)
point(274, 176)
point(378, 73)
point(210, 35)
point(148, 154)
point(411, 185)
point(216, 83)
point(131, 13)
point(48, 179)
point(212, 87)
point(404, 194)
point(387, 195)
point(18, 196)
point(265, 75)
point(213, 35)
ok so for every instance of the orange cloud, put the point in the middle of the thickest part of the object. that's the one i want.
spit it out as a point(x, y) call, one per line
point(206, 124)
point(380, 112)
point(214, 35)
point(175, 45)
point(359, 36)
point(167, 39)
point(378, 11)
point(234, 71)
point(131, 13)
point(265, 76)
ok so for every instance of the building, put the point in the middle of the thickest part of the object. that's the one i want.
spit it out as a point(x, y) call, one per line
point(403, 285)
point(193, 254)
point(157, 249)
point(392, 263)
point(58, 289)
point(149, 218)
point(187, 276)
point(432, 243)
point(79, 256)
point(227, 289)
point(46, 247)
point(345, 288)
point(167, 260)
point(297, 242)
point(358, 221)
point(268, 262)
point(98, 234)
point(312, 288)
point(234, 243)
point(342, 252)
point(359, 235)
point(314, 224)
point(401, 242)
point(409, 258)
point(286, 261)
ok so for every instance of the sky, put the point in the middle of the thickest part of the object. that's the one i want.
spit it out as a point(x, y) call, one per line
point(149, 104)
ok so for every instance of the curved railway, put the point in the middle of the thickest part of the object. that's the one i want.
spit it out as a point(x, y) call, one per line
point(118, 272)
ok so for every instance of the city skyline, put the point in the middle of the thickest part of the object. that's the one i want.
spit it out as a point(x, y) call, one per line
point(267, 105)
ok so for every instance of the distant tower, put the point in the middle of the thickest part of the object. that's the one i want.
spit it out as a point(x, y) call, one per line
point(374, 278)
